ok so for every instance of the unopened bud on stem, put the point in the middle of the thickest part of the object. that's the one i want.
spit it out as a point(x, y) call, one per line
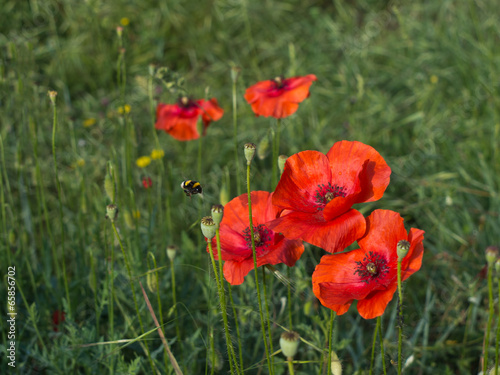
point(250, 152)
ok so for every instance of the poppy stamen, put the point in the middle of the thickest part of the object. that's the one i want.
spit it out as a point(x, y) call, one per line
point(326, 193)
point(262, 238)
point(279, 82)
point(371, 267)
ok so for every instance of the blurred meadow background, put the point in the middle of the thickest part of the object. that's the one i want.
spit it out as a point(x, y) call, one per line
point(418, 81)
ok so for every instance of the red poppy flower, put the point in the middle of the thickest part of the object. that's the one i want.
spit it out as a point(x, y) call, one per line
point(279, 97)
point(180, 120)
point(369, 274)
point(58, 317)
point(147, 182)
point(236, 243)
point(317, 191)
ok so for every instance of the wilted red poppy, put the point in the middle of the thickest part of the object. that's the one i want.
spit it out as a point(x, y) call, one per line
point(147, 182)
point(279, 97)
point(236, 243)
point(180, 120)
point(317, 191)
point(369, 274)
point(57, 318)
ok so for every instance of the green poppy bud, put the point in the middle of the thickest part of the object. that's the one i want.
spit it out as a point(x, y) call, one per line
point(336, 365)
point(402, 249)
point(491, 255)
point(217, 213)
point(208, 227)
point(281, 162)
point(171, 252)
point(289, 343)
point(249, 152)
point(111, 212)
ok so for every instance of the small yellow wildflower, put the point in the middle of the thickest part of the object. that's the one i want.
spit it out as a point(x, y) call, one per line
point(434, 79)
point(157, 154)
point(143, 161)
point(89, 122)
point(125, 109)
point(80, 162)
point(124, 21)
point(136, 214)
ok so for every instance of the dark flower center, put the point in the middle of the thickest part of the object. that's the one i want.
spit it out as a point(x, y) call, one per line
point(185, 102)
point(371, 267)
point(279, 82)
point(326, 193)
point(262, 238)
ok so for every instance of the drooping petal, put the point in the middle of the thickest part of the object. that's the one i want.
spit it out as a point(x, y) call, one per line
point(350, 159)
point(384, 229)
point(210, 112)
point(413, 260)
point(333, 236)
point(298, 185)
point(375, 304)
point(338, 280)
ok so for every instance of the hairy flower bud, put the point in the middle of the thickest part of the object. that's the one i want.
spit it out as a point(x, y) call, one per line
point(289, 343)
point(402, 249)
point(111, 212)
point(171, 252)
point(491, 255)
point(217, 213)
point(249, 152)
point(281, 162)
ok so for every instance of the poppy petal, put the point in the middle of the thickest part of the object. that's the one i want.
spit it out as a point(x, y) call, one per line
point(384, 229)
point(374, 305)
point(333, 236)
point(298, 185)
point(347, 159)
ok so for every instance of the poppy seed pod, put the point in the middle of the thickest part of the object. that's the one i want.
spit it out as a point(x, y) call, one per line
point(171, 252)
point(208, 227)
point(491, 255)
point(217, 213)
point(336, 366)
point(289, 343)
point(402, 249)
point(111, 212)
point(249, 151)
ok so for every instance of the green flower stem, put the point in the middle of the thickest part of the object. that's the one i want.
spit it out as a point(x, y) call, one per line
point(59, 195)
point(266, 305)
point(330, 334)
point(174, 299)
point(235, 136)
point(111, 287)
point(372, 360)
point(237, 326)
point(382, 354)
point(490, 317)
point(219, 250)
point(262, 324)
point(400, 324)
point(222, 298)
point(212, 347)
point(290, 365)
point(289, 287)
point(125, 258)
point(498, 329)
point(165, 353)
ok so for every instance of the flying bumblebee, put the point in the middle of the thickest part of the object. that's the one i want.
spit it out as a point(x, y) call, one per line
point(191, 187)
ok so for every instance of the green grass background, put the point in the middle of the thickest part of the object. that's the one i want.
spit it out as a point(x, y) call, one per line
point(419, 81)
